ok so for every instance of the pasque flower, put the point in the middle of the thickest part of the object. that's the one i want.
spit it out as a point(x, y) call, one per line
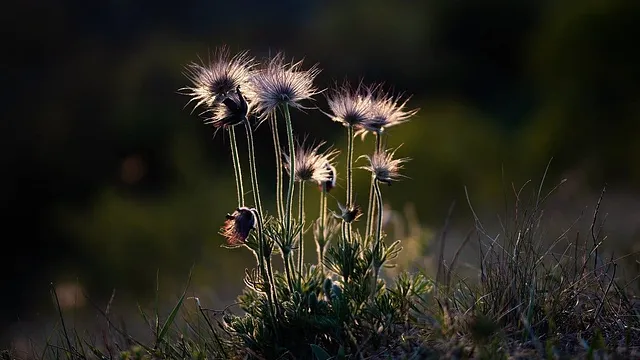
point(349, 106)
point(281, 83)
point(311, 164)
point(232, 111)
point(385, 110)
point(238, 225)
point(384, 167)
point(216, 80)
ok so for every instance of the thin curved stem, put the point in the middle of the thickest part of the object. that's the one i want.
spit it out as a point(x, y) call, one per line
point(301, 221)
point(263, 269)
point(237, 170)
point(252, 167)
point(292, 170)
point(378, 237)
point(349, 176)
point(278, 151)
point(372, 205)
point(287, 270)
point(321, 241)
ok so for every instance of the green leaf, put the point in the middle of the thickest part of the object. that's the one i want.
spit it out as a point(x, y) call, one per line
point(167, 324)
point(319, 353)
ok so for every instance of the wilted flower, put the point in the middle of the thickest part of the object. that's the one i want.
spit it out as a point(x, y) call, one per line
point(349, 214)
point(311, 165)
point(385, 110)
point(281, 83)
point(231, 112)
point(349, 106)
point(238, 225)
point(331, 182)
point(384, 167)
point(213, 82)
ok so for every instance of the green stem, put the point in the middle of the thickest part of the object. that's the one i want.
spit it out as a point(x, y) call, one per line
point(323, 217)
point(287, 270)
point(372, 205)
point(301, 222)
point(292, 170)
point(349, 175)
point(236, 166)
point(378, 238)
point(263, 269)
point(252, 167)
point(278, 152)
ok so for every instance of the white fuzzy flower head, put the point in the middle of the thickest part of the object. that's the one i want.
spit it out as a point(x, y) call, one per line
point(349, 106)
point(281, 83)
point(220, 77)
point(385, 110)
point(384, 167)
point(311, 165)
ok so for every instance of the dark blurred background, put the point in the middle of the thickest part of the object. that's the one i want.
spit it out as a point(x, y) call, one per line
point(108, 180)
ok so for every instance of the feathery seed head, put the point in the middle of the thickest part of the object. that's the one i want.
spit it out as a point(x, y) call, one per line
point(231, 111)
point(310, 164)
point(385, 110)
point(384, 167)
point(282, 83)
point(238, 225)
point(213, 82)
point(349, 106)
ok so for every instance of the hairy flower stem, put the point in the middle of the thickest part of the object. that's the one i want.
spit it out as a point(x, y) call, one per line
point(301, 222)
point(263, 268)
point(349, 176)
point(237, 170)
point(278, 152)
point(323, 216)
point(254, 172)
point(292, 170)
point(372, 205)
point(287, 270)
point(378, 237)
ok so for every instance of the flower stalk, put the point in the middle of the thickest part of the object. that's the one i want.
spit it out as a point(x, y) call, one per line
point(301, 222)
point(236, 166)
point(292, 171)
point(372, 205)
point(350, 137)
point(378, 234)
point(252, 168)
point(278, 152)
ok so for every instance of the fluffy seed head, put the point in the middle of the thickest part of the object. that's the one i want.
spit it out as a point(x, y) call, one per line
point(349, 106)
point(310, 164)
point(385, 110)
point(238, 225)
point(384, 167)
point(214, 81)
point(282, 83)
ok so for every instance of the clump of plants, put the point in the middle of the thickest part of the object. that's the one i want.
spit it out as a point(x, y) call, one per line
point(528, 295)
point(337, 305)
